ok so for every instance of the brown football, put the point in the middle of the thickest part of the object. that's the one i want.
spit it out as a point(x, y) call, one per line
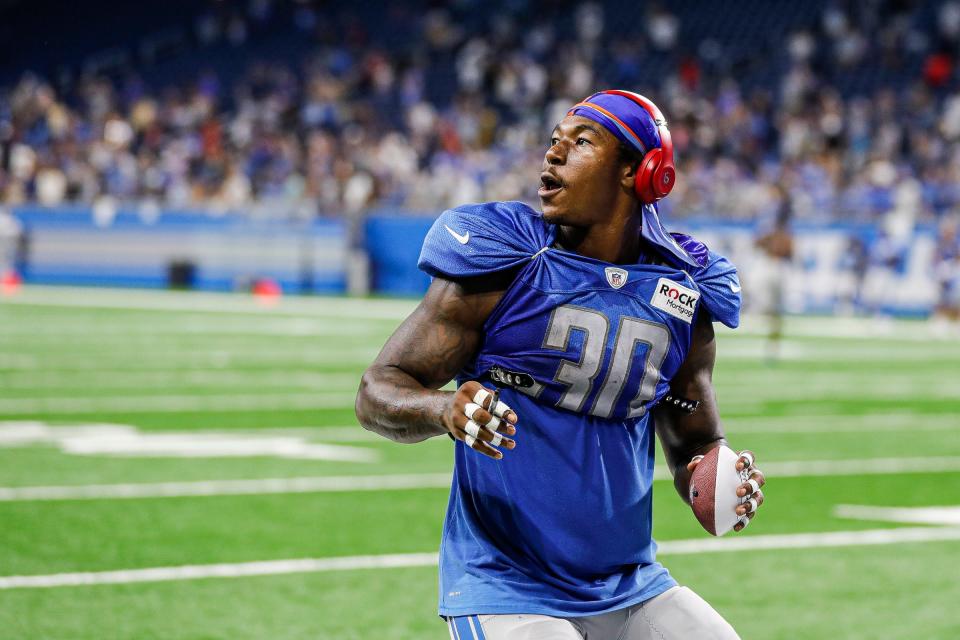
point(713, 490)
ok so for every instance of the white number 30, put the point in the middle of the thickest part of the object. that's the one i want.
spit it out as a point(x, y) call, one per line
point(579, 376)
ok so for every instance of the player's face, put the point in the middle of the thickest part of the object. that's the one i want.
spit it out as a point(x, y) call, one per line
point(582, 173)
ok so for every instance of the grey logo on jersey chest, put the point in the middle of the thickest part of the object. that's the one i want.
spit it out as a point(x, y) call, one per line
point(616, 277)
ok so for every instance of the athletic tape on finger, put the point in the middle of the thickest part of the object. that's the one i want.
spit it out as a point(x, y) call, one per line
point(501, 409)
point(753, 505)
point(745, 521)
point(469, 439)
point(754, 486)
point(471, 409)
point(494, 423)
point(481, 396)
point(472, 428)
point(749, 457)
point(497, 439)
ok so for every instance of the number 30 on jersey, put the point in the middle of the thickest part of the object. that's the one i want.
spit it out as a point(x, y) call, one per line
point(579, 377)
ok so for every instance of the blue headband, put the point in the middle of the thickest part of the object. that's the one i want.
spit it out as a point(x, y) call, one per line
point(622, 117)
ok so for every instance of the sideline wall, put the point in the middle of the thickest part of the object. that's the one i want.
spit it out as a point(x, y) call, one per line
point(67, 246)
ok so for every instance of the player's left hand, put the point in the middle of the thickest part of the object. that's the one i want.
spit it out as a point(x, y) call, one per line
point(749, 489)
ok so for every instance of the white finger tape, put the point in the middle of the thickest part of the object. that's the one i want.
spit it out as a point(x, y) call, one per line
point(494, 423)
point(754, 485)
point(497, 439)
point(753, 505)
point(471, 409)
point(470, 440)
point(501, 409)
point(472, 428)
point(745, 521)
point(481, 396)
point(749, 458)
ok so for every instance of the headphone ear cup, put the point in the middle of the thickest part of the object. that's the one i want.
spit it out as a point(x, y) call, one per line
point(664, 178)
point(643, 184)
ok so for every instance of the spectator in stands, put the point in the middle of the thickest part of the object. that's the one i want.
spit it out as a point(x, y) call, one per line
point(947, 270)
point(356, 125)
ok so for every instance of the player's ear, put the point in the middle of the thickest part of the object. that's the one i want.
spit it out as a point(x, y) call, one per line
point(628, 174)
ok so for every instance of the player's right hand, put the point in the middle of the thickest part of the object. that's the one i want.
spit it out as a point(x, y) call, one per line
point(470, 417)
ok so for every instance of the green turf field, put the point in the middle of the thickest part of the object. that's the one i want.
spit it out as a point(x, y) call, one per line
point(160, 431)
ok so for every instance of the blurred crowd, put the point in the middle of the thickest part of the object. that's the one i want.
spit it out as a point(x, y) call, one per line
point(354, 123)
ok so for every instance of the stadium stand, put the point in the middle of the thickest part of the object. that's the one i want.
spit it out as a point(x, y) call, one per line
point(302, 109)
point(843, 115)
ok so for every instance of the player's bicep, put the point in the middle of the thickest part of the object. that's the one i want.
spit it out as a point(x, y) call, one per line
point(442, 334)
point(684, 434)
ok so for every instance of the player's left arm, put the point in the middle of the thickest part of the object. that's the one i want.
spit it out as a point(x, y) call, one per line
point(685, 437)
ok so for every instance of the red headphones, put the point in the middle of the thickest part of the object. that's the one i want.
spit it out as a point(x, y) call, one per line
point(656, 174)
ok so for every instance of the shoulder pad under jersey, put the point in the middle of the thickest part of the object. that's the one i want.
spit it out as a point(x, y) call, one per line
point(475, 239)
point(716, 279)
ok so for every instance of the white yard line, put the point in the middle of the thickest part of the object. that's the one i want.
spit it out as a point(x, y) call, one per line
point(809, 540)
point(203, 358)
point(220, 303)
point(214, 327)
point(863, 466)
point(747, 349)
point(343, 399)
point(177, 403)
point(908, 515)
point(262, 486)
point(138, 379)
point(236, 570)
point(395, 561)
point(396, 310)
point(839, 423)
point(402, 482)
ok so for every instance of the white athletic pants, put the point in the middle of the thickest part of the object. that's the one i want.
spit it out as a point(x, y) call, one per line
point(676, 614)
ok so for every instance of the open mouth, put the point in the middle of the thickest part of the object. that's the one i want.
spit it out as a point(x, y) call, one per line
point(550, 185)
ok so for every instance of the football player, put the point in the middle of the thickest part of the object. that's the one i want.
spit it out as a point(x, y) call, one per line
point(572, 334)
point(777, 247)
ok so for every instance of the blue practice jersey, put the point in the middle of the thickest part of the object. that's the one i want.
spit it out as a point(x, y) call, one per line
point(581, 349)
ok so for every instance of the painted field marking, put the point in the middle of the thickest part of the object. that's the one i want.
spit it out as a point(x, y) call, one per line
point(219, 303)
point(395, 561)
point(748, 349)
point(263, 486)
point(859, 467)
point(215, 327)
point(203, 358)
point(910, 515)
point(176, 378)
point(395, 310)
point(234, 570)
point(296, 400)
point(779, 425)
point(123, 440)
point(403, 482)
point(175, 403)
point(839, 423)
point(809, 540)
point(899, 387)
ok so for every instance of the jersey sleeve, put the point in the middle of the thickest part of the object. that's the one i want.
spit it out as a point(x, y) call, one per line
point(716, 279)
point(719, 287)
point(477, 239)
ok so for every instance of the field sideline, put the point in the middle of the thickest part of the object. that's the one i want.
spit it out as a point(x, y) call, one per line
point(178, 465)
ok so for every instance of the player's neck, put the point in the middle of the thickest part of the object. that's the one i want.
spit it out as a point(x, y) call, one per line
point(616, 241)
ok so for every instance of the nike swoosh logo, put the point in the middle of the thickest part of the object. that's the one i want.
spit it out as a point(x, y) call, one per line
point(462, 239)
point(735, 287)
